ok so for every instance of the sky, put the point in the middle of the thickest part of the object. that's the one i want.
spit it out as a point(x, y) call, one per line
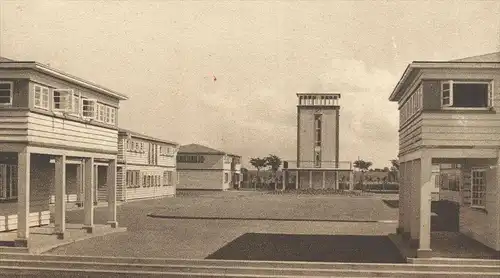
point(163, 55)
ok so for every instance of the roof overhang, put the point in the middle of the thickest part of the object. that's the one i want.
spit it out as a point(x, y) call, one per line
point(126, 132)
point(418, 65)
point(61, 75)
point(319, 94)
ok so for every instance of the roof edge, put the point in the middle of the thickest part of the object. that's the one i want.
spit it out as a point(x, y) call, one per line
point(146, 137)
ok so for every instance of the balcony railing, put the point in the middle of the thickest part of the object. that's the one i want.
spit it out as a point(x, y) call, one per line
point(342, 165)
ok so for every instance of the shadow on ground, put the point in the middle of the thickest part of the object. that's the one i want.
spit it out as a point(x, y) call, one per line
point(311, 248)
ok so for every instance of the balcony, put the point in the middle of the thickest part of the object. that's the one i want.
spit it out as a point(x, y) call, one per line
point(318, 99)
point(323, 165)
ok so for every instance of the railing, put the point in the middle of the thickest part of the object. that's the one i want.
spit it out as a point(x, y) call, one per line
point(325, 99)
point(343, 165)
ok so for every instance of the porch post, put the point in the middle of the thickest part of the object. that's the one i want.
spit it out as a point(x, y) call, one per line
point(351, 180)
point(402, 200)
point(111, 185)
point(425, 188)
point(79, 185)
point(297, 180)
point(310, 178)
point(89, 195)
point(23, 197)
point(60, 207)
point(96, 184)
point(323, 181)
point(283, 180)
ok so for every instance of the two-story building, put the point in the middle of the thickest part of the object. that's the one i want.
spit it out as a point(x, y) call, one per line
point(204, 168)
point(146, 166)
point(449, 114)
point(54, 129)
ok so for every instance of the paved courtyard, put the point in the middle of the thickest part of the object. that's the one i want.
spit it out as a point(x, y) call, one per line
point(206, 224)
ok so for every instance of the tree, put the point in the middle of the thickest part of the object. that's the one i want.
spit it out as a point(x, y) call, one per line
point(258, 163)
point(394, 169)
point(362, 166)
point(274, 162)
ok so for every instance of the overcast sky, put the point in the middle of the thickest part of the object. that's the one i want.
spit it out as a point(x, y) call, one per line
point(162, 54)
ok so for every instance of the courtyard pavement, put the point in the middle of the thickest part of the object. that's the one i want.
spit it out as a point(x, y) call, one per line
point(198, 238)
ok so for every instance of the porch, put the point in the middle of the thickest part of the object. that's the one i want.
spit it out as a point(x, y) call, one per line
point(469, 196)
point(35, 172)
point(336, 175)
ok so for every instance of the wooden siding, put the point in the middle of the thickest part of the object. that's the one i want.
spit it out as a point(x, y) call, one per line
point(202, 179)
point(121, 149)
point(121, 188)
point(9, 222)
point(466, 129)
point(410, 136)
point(23, 126)
point(142, 158)
point(150, 192)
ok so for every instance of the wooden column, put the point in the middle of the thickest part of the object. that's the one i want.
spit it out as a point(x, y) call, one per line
point(310, 179)
point(351, 180)
point(60, 207)
point(402, 202)
point(297, 180)
point(89, 195)
point(79, 185)
point(426, 185)
point(111, 186)
point(23, 197)
point(283, 180)
point(96, 185)
point(323, 181)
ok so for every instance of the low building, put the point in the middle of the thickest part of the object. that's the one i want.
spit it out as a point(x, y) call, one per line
point(55, 129)
point(146, 166)
point(204, 168)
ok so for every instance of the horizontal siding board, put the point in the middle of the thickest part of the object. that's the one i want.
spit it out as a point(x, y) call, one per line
point(73, 136)
point(40, 119)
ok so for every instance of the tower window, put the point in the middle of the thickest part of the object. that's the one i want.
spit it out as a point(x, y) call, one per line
point(317, 140)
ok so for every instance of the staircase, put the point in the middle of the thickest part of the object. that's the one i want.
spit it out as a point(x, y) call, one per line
point(69, 266)
point(102, 194)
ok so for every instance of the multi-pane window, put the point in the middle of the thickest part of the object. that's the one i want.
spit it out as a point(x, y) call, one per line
point(62, 100)
point(167, 178)
point(89, 108)
point(466, 94)
point(41, 97)
point(133, 179)
point(76, 104)
point(112, 116)
point(478, 188)
point(411, 106)
point(8, 181)
point(101, 112)
point(6, 88)
point(317, 140)
point(191, 158)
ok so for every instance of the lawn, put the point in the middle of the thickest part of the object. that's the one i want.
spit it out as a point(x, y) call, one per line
point(191, 235)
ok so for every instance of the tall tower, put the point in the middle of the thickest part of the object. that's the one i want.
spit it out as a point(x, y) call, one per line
point(318, 130)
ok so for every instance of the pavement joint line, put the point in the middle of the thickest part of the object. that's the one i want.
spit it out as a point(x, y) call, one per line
point(152, 215)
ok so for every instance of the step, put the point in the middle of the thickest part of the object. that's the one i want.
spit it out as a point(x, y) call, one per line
point(210, 272)
point(454, 261)
point(256, 268)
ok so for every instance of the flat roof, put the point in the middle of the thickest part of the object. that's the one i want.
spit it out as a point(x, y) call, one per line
point(146, 137)
point(59, 74)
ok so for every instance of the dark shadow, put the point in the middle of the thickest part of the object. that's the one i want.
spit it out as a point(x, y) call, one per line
point(446, 216)
point(310, 248)
point(392, 203)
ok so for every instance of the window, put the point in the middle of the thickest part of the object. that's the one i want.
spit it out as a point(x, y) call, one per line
point(411, 105)
point(6, 89)
point(317, 159)
point(41, 95)
point(89, 108)
point(100, 114)
point(466, 94)
point(144, 180)
point(167, 178)
point(133, 179)
point(76, 104)
point(226, 177)
point(191, 158)
point(112, 116)
point(107, 114)
point(62, 100)
point(478, 188)
point(8, 182)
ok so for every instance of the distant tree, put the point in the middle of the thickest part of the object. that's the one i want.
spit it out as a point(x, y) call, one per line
point(258, 163)
point(274, 162)
point(394, 171)
point(362, 166)
point(386, 169)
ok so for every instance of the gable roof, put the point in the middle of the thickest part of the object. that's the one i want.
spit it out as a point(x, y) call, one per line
point(200, 149)
point(3, 59)
point(490, 57)
point(490, 60)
